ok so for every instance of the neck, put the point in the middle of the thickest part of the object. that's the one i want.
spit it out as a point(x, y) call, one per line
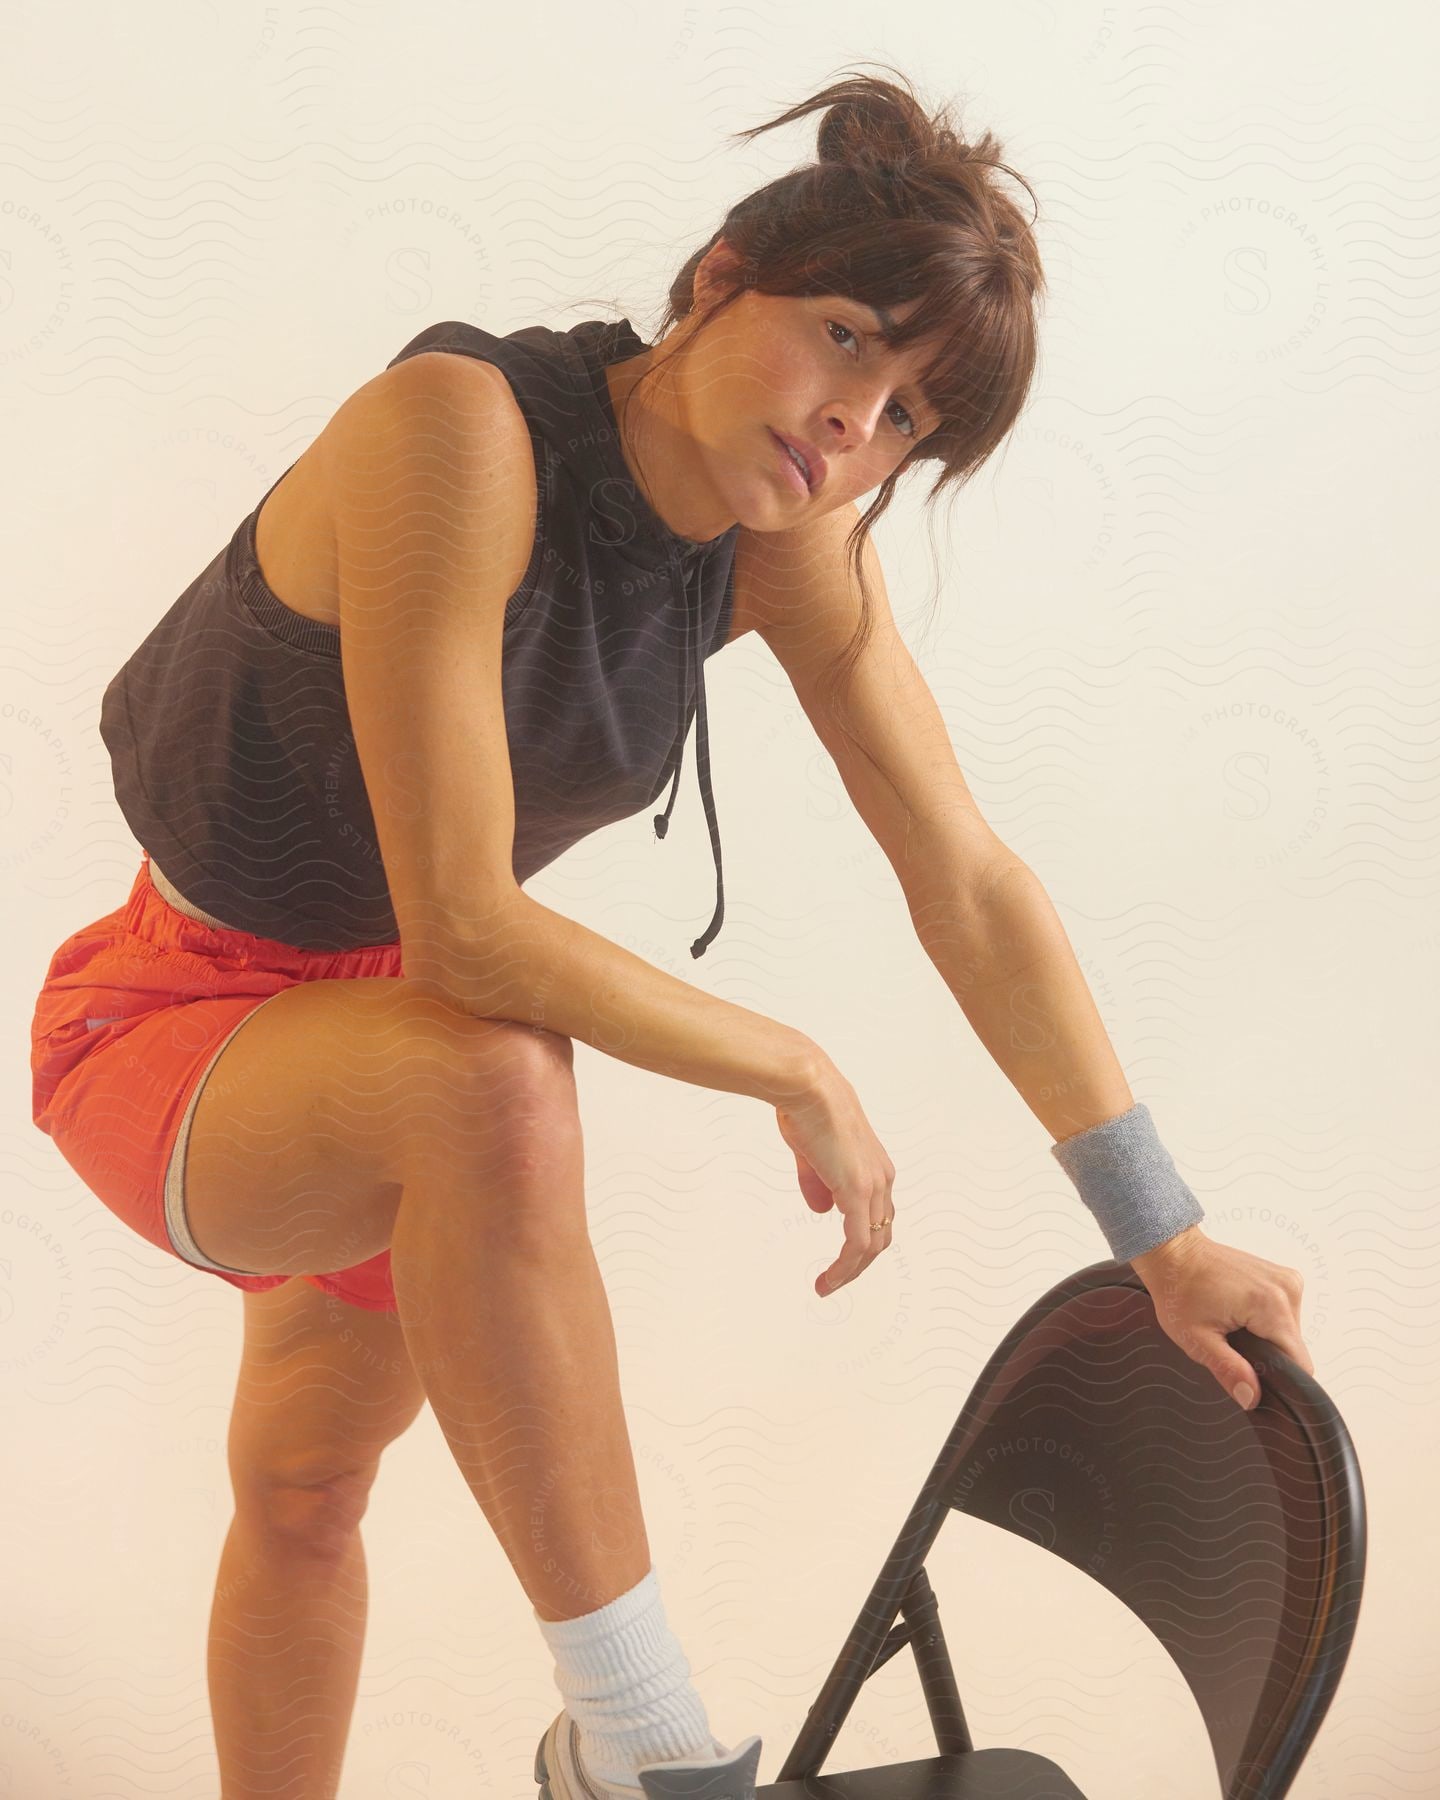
point(669, 469)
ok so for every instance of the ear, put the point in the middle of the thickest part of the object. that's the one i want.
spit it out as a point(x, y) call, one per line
point(711, 269)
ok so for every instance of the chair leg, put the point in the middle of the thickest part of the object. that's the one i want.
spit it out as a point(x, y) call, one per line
point(937, 1675)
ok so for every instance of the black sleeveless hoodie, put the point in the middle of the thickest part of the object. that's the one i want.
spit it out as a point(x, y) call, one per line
point(231, 746)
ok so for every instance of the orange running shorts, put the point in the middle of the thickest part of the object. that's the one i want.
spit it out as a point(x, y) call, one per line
point(133, 1012)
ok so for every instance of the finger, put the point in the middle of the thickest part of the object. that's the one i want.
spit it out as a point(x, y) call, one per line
point(1282, 1331)
point(1228, 1367)
point(817, 1196)
point(882, 1218)
point(856, 1253)
point(879, 1240)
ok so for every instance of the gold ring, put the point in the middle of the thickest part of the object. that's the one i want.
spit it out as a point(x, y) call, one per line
point(889, 1221)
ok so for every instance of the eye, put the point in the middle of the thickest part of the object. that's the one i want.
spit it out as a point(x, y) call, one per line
point(911, 427)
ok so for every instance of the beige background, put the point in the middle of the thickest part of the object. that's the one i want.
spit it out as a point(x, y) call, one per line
point(1184, 636)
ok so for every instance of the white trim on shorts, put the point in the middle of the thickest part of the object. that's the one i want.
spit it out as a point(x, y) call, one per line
point(177, 1226)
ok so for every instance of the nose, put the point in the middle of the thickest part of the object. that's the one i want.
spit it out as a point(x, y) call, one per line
point(854, 418)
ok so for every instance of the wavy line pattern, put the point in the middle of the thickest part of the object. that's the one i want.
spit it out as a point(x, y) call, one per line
point(1183, 635)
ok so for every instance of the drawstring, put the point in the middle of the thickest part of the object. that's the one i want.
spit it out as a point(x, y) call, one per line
point(702, 761)
point(702, 758)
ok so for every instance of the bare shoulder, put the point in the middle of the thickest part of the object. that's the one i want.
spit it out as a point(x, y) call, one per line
point(455, 402)
point(462, 408)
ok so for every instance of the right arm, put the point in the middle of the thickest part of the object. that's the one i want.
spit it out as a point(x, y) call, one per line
point(431, 487)
point(431, 483)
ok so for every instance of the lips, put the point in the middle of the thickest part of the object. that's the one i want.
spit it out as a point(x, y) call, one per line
point(814, 462)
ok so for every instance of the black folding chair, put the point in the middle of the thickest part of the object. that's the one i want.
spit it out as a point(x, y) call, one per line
point(1238, 1538)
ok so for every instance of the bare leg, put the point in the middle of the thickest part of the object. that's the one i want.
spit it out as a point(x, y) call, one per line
point(462, 1152)
point(286, 1634)
point(323, 1389)
point(508, 1326)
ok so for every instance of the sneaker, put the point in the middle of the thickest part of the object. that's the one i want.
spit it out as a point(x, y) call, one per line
point(561, 1777)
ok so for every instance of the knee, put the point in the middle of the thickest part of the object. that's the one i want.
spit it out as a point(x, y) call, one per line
point(530, 1106)
point(541, 1059)
point(306, 1510)
point(511, 1108)
point(493, 1054)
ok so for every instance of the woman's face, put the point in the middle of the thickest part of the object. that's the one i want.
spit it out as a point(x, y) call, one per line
point(814, 369)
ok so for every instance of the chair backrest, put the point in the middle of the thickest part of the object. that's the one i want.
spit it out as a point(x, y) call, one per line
point(1238, 1538)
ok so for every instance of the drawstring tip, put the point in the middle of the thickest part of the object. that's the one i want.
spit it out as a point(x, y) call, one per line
point(711, 932)
point(662, 825)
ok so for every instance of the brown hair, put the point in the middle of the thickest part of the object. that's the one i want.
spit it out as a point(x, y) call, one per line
point(898, 207)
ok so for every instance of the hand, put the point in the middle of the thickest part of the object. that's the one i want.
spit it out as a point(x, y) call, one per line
point(840, 1162)
point(1202, 1289)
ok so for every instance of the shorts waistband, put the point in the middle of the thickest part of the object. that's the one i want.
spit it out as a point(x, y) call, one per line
point(150, 916)
point(164, 886)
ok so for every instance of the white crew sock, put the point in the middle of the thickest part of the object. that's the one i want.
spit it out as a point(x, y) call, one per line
point(625, 1682)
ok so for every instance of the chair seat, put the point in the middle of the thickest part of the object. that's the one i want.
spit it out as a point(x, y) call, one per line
point(963, 1775)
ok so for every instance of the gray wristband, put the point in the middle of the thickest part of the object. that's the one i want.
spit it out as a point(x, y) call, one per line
point(1125, 1175)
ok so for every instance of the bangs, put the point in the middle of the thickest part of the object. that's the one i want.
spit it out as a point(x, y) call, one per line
point(971, 366)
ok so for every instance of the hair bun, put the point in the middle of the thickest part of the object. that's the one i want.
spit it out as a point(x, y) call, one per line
point(870, 121)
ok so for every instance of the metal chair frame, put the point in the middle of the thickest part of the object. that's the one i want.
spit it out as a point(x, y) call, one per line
point(1295, 1474)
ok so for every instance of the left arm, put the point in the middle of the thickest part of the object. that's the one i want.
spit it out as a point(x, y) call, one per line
point(980, 912)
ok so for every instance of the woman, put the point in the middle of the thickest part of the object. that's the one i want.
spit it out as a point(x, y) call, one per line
point(468, 629)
